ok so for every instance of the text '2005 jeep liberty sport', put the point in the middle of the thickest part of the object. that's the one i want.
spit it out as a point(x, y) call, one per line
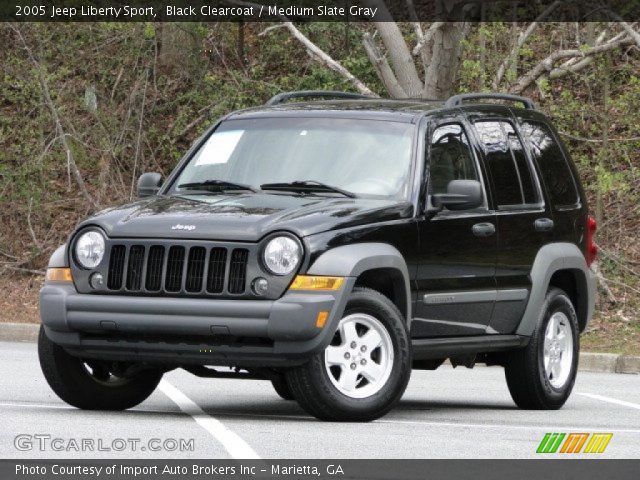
point(331, 247)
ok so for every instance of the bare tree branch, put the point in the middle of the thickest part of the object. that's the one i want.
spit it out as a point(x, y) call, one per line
point(546, 65)
point(318, 54)
point(426, 38)
point(398, 52)
point(139, 135)
point(627, 27)
point(24, 270)
point(379, 62)
point(270, 29)
point(604, 285)
point(420, 40)
point(31, 231)
point(71, 164)
point(423, 47)
point(574, 65)
point(315, 52)
point(522, 38)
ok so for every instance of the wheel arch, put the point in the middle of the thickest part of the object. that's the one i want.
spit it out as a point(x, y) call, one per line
point(574, 283)
point(379, 266)
point(59, 257)
point(560, 265)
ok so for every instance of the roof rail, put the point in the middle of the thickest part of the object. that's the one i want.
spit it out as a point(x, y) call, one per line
point(286, 96)
point(458, 100)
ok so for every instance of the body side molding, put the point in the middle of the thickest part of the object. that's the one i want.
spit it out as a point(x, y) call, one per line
point(502, 295)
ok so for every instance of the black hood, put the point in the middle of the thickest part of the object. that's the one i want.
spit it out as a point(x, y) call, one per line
point(246, 217)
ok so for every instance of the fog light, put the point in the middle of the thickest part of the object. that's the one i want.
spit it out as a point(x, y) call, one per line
point(96, 281)
point(259, 286)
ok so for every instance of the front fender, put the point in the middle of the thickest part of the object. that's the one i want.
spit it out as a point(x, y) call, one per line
point(353, 260)
point(59, 258)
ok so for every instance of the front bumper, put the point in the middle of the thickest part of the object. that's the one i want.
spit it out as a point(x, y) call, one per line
point(191, 330)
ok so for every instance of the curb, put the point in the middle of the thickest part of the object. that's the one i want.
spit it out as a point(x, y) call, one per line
point(19, 332)
point(589, 362)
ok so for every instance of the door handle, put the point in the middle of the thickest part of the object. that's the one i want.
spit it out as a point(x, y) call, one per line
point(483, 229)
point(543, 224)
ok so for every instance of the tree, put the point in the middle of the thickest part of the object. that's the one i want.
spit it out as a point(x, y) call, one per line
point(429, 69)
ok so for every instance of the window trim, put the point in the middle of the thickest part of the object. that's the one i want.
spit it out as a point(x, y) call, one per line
point(559, 206)
point(528, 158)
point(433, 127)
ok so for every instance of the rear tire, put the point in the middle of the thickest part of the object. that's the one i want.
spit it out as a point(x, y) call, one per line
point(372, 338)
point(541, 375)
point(282, 388)
point(90, 384)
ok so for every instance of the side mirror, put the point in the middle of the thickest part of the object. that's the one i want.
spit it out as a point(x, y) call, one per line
point(461, 195)
point(149, 184)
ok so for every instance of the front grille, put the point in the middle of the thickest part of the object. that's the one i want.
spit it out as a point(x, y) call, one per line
point(175, 263)
point(134, 269)
point(217, 265)
point(238, 267)
point(177, 269)
point(154, 268)
point(195, 269)
point(116, 267)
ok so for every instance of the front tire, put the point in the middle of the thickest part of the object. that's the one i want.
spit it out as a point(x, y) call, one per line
point(90, 384)
point(281, 387)
point(363, 373)
point(541, 375)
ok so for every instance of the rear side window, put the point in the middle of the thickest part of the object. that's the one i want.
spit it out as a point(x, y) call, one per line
point(507, 163)
point(450, 158)
point(553, 165)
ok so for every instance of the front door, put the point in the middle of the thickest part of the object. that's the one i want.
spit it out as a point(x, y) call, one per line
point(455, 279)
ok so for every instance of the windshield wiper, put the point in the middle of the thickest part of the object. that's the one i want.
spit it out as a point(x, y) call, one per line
point(305, 186)
point(219, 185)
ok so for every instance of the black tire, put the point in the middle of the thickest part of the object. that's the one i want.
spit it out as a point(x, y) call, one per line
point(282, 388)
point(73, 383)
point(524, 369)
point(316, 394)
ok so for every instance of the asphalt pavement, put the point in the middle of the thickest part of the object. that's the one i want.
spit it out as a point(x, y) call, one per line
point(447, 413)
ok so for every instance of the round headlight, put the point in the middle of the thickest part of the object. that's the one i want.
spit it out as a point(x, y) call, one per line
point(282, 255)
point(90, 249)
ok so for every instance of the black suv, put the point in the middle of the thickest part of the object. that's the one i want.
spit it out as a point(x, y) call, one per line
point(331, 246)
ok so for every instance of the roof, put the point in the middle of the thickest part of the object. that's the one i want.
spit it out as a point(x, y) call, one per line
point(398, 110)
point(352, 105)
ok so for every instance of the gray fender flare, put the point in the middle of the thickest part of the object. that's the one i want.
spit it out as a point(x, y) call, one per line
point(58, 258)
point(550, 259)
point(353, 260)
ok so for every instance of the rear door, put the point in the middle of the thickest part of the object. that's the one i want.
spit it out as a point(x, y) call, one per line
point(523, 220)
point(558, 175)
point(455, 277)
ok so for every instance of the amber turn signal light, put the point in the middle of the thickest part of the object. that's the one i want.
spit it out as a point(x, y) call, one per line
point(321, 319)
point(59, 275)
point(310, 282)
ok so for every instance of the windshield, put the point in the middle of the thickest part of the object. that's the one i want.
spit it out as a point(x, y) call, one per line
point(366, 157)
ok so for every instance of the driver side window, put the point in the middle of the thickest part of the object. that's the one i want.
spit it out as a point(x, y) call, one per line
point(451, 158)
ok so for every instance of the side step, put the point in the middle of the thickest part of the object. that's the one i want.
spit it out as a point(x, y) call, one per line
point(432, 348)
